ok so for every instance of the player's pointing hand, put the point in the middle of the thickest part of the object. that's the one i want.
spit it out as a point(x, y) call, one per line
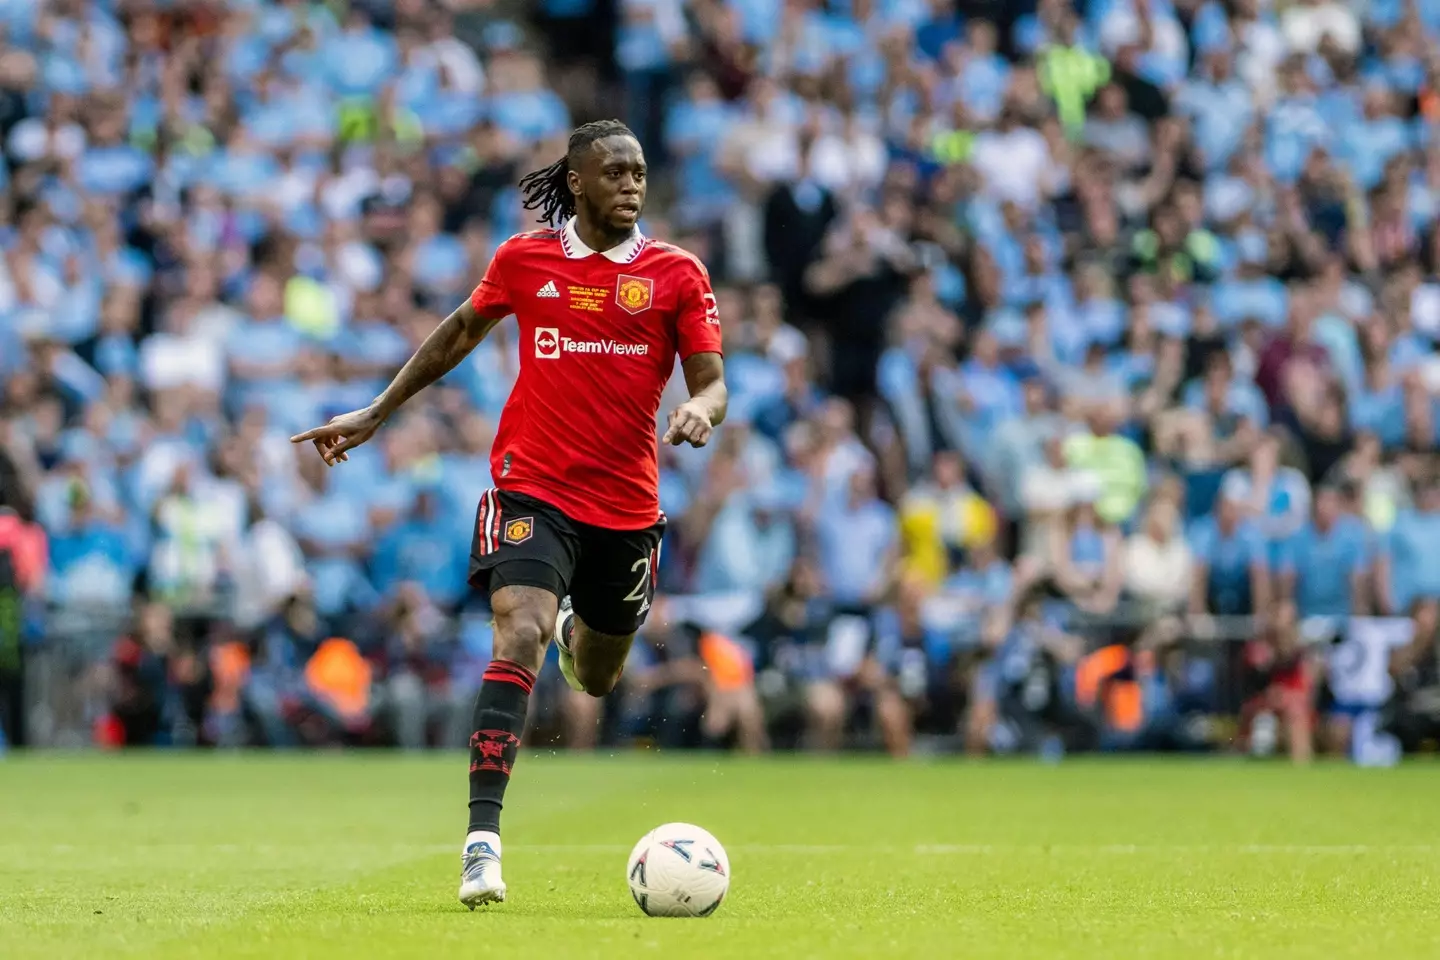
point(689, 423)
point(342, 433)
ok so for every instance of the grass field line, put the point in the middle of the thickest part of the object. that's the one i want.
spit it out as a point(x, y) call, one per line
point(795, 849)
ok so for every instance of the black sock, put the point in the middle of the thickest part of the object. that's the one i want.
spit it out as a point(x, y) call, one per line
point(499, 721)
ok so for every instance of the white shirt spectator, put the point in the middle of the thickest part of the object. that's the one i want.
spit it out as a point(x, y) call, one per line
point(169, 360)
point(214, 321)
point(31, 140)
point(223, 502)
point(1261, 48)
point(294, 188)
point(459, 62)
point(842, 462)
point(786, 344)
point(268, 570)
point(1425, 309)
point(773, 153)
point(156, 470)
point(1121, 28)
point(839, 161)
point(359, 266)
point(1306, 24)
point(1013, 165)
point(340, 197)
point(1157, 560)
point(1046, 489)
point(1158, 571)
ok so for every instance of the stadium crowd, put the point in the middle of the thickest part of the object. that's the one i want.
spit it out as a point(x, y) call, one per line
point(1068, 344)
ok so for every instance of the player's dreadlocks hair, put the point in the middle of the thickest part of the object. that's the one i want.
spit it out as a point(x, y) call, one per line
point(548, 189)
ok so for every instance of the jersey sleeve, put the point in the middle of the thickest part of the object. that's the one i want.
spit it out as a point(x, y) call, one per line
point(697, 321)
point(491, 299)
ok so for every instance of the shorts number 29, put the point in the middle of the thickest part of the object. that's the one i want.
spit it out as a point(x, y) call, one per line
point(640, 592)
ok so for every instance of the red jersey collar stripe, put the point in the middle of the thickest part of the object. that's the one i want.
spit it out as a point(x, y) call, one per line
point(624, 252)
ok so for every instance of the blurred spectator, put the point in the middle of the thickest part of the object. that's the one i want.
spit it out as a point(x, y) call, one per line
point(1017, 696)
point(688, 683)
point(855, 533)
point(1277, 496)
point(1232, 562)
point(1415, 713)
point(23, 549)
point(1325, 567)
point(91, 563)
point(158, 687)
point(750, 540)
point(941, 519)
point(795, 674)
point(22, 571)
point(275, 698)
point(1084, 562)
point(425, 549)
point(1407, 570)
point(1158, 561)
point(415, 684)
point(1282, 705)
point(1114, 460)
point(1048, 490)
point(904, 673)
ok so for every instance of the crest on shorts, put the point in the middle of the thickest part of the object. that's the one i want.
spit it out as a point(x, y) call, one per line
point(633, 294)
point(519, 530)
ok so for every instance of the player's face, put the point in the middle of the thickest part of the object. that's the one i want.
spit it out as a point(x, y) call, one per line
point(612, 183)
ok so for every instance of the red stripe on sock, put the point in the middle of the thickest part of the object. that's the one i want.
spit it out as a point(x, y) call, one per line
point(508, 671)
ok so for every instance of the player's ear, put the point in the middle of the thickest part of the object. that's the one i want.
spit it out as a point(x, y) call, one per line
point(572, 179)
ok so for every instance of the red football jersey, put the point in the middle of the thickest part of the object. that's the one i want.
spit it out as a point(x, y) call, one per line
point(598, 338)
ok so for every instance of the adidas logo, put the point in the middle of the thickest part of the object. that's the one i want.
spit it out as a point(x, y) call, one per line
point(549, 291)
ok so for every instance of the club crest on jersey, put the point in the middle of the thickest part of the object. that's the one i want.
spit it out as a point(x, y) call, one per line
point(519, 530)
point(633, 294)
point(547, 343)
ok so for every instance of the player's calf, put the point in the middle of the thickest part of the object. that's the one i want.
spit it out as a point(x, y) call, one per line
point(599, 657)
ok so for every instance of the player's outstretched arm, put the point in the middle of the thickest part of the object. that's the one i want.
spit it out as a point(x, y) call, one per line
point(696, 419)
point(447, 345)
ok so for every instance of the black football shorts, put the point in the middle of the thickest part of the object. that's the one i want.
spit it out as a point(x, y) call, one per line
point(609, 575)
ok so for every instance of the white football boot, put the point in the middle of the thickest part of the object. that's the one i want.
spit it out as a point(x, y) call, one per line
point(480, 880)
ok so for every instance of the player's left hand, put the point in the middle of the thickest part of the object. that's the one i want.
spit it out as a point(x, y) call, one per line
point(689, 423)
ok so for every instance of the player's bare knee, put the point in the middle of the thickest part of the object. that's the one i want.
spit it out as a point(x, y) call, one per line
point(524, 620)
point(521, 638)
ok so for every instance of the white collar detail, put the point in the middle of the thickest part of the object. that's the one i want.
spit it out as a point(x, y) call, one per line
point(623, 252)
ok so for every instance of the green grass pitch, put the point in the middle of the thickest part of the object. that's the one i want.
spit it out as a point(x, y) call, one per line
point(357, 856)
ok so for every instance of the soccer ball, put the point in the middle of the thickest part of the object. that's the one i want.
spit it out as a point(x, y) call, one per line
point(678, 870)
